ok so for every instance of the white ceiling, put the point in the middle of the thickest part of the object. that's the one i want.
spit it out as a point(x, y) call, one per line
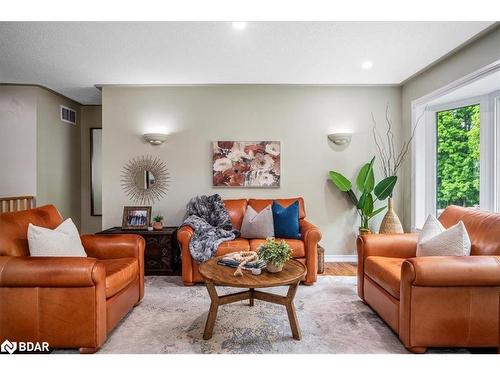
point(71, 58)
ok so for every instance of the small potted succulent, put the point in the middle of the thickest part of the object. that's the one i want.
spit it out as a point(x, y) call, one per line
point(275, 254)
point(158, 222)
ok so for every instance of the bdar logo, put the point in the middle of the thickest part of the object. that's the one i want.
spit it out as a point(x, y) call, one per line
point(8, 347)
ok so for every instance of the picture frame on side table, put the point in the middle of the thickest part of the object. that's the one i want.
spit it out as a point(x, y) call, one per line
point(136, 217)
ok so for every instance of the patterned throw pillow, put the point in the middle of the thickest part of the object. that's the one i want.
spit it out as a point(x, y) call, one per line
point(257, 225)
point(435, 240)
point(64, 241)
point(286, 220)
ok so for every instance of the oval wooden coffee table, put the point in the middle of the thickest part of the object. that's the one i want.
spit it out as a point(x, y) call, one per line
point(216, 274)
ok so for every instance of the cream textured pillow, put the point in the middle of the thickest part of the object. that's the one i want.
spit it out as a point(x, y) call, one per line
point(434, 239)
point(258, 225)
point(64, 241)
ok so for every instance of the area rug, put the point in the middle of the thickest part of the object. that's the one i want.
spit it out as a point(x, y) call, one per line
point(171, 319)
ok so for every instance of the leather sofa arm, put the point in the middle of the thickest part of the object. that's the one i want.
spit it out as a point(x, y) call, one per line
point(184, 235)
point(452, 271)
point(50, 272)
point(311, 236)
point(402, 245)
point(309, 232)
point(113, 246)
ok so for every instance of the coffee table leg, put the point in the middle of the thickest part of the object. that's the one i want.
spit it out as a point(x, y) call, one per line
point(292, 315)
point(251, 296)
point(212, 313)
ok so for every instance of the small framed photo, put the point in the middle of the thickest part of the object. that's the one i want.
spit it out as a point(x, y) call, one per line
point(136, 217)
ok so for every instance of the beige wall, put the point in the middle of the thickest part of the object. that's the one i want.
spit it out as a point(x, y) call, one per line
point(91, 117)
point(478, 54)
point(299, 116)
point(58, 156)
point(17, 141)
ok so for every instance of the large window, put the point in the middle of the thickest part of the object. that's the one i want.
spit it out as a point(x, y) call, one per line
point(456, 148)
point(458, 157)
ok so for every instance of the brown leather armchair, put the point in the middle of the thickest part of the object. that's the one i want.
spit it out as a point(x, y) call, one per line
point(435, 301)
point(303, 249)
point(66, 301)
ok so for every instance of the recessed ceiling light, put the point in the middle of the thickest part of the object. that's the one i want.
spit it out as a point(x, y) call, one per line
point(367, 65)
point(239, 25)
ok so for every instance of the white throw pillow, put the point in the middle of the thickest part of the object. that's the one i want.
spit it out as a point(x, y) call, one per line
point(435, 240)
point(64, 241)
point(258, 225)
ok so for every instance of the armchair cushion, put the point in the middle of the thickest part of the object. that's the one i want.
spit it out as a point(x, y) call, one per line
point(63, 241)
point(119, 274)
point(434, 239)
point(386, 272)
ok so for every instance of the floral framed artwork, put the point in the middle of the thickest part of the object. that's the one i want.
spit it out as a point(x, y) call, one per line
point(246, 164)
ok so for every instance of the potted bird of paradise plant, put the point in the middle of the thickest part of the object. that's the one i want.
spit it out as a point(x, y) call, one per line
point(365, 184)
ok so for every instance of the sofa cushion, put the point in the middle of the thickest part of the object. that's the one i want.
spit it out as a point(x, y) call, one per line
point(257, 225)
point(286, 220)
point(238, 244)
point(119, 274)
point(297, 246)
point(386, 272)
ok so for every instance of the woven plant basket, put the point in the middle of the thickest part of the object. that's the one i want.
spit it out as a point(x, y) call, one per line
point(391, 222)
point(321, 259)
point(272, 268)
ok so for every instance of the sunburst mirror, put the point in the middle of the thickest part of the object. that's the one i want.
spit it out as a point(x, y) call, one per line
point(145, 179)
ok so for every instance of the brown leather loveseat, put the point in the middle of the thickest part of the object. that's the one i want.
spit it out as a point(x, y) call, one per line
point(68, 302)
point(304, 249)
point(435, 301)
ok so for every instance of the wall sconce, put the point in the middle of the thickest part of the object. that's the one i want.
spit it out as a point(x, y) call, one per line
point(155, 139)
point(340, 139)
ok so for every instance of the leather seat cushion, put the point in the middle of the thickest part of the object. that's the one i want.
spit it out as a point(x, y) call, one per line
point(119, 274)
point(238, 244)
point(297, 246)
point(386, 272)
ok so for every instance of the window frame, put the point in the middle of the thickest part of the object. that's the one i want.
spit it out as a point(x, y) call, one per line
point(424, 156)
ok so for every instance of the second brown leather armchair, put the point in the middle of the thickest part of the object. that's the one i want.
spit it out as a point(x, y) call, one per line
point(65, 301)
point(436, 301)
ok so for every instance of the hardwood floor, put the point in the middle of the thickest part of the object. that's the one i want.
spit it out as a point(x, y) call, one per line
point(340, 269)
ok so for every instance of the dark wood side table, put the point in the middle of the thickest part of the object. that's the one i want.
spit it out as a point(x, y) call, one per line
point(162, 253)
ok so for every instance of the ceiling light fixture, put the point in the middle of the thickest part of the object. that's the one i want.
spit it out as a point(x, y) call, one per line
point(367, 65)
point(239, 25)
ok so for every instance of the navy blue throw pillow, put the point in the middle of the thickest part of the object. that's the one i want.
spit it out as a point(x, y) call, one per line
point(286, 220)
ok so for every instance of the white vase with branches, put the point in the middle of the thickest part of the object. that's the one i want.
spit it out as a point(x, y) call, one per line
point(391, 160)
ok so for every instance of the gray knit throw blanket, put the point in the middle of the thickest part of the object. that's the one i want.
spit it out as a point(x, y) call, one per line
point(211, 224)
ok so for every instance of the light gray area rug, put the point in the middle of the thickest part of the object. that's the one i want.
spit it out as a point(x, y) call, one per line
point(171, 319)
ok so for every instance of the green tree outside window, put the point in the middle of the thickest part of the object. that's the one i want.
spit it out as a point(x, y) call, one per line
point(458, 157)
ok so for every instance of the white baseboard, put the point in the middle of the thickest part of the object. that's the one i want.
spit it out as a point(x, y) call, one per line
point(341, 258)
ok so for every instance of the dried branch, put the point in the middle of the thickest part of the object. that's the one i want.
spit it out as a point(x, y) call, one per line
point(390, 160)
point(406, 146)
point(379, 143)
